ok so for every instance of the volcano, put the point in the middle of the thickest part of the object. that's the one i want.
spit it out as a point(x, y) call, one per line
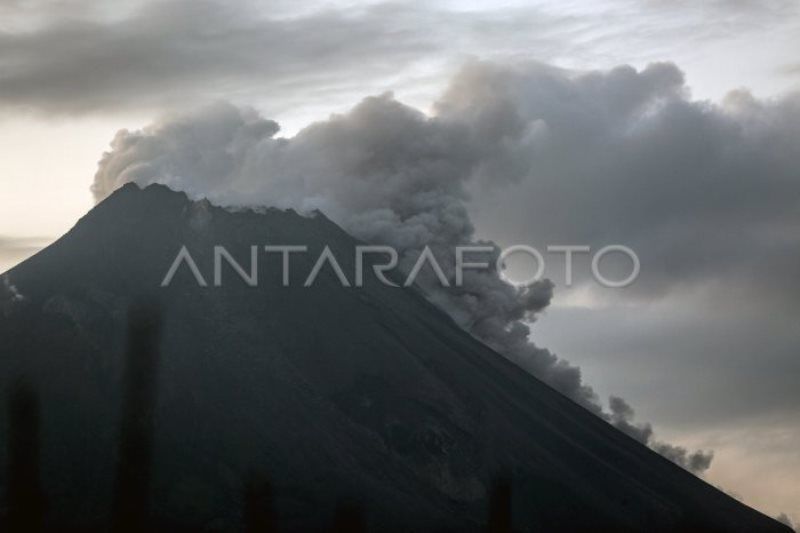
point(369, 397)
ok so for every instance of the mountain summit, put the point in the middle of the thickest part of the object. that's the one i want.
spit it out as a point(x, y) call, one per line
point(368, 396)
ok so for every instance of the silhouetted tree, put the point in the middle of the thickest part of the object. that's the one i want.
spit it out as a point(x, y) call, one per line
point(349, 518)
point(135, 445)
point(25, 497)
point(500, 506)
point(259, 514)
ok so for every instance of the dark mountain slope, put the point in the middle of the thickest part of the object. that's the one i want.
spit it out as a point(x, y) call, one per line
point(368, 395)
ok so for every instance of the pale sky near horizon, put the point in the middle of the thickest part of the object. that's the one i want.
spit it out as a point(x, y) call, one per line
point(72, 75)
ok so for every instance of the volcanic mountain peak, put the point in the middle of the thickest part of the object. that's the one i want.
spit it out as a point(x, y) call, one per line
point(363, 394)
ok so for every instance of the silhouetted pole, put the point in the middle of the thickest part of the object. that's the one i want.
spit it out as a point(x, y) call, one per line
point(135, 445)
point(259, 515)
point(25, 496)
point(500, 506)
point(349, 518)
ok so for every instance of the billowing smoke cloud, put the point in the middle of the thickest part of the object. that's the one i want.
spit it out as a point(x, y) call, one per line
point(622, 417)
point(697, 461)
point(385, 172)
point(392, 175)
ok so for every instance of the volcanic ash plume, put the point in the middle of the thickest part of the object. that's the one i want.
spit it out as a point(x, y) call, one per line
point(389, 175)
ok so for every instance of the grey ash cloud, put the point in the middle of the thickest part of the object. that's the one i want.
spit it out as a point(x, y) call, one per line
point(629, 156)
point(622, 417)
point(647, 160)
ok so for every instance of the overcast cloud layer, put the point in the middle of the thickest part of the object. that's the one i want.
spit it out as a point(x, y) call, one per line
point(70, 56)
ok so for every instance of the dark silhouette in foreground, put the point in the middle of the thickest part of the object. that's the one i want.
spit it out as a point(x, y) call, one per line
point(135, 447)
point(500, 506)
point(349, 518)
point(259, 515)
point(26, 504)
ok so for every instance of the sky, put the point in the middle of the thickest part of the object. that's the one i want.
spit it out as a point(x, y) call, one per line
point(668, 126)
